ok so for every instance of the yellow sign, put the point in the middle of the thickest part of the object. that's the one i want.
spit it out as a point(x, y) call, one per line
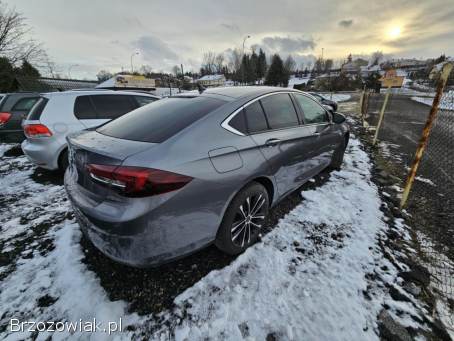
point(391, 79)
point(132, 81)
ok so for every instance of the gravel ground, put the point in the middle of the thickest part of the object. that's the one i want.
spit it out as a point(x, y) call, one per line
point(431, 200)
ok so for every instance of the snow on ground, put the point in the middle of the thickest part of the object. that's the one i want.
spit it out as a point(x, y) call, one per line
point(447, 101)
point(305, 280)
point(390, 150)
point(297, 81)
point(48, 267)
point(336, 97)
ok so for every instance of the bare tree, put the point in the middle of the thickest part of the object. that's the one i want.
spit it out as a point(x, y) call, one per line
point(235, 60)
point(289, 64)
point(14, 41)
point(209, 61)
point(219, 62)
point(176, 70)
point(145, 70)
point(103, 75)
point(376, 58)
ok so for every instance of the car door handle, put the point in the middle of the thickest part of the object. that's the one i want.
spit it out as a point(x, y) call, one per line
point(316, 134)
point(272, 142)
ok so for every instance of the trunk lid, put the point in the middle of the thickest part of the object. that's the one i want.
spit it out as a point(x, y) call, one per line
point(91, 147)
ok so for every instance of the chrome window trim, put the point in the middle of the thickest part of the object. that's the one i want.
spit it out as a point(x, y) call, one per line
point(225, 123)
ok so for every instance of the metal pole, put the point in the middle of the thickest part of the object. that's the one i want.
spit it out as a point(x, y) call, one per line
point(132, 66)
point(382, 114)
point(242, 56)
point(361, 100)
point(446, 70)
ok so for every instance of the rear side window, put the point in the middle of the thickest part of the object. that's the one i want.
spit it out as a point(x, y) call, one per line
point(255, 118)
point(313, 112)
point(160, 120)
point(25, 104)
point(3, 101)
point(112, 106)
point(238, 122)
point(279, 111)
point(37, 110)
point(83, 108)
point(144, 100)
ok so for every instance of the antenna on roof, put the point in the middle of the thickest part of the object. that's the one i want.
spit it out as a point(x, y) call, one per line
point(200, 87)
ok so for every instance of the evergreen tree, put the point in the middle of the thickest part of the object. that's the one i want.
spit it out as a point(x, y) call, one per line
point(6, 75)
point(245, 73)
point(261, 65)
point(253, 66)
point(373, 81)
point(27, 70)
point(276, 72)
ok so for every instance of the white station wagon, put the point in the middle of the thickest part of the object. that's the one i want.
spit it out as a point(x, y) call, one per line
point(58, 114)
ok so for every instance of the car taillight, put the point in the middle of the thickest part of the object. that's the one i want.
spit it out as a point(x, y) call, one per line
point(137, 181)
point(4, 117)
point(37, 130)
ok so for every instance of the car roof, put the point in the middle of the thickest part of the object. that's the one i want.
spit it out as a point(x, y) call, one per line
point(236, 92)
point(96, 92)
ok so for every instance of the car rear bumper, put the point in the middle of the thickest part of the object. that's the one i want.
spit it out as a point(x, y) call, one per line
point(144, 232)
point(44, 155)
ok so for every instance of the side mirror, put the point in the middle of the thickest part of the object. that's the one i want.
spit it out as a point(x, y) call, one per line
point(328, 108)
point(330, 111)
point(338, 118)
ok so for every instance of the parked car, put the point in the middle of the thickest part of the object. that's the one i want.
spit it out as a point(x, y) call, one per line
point(58, 114)
point(174, 176)
point(324, 100)
point(14, 107)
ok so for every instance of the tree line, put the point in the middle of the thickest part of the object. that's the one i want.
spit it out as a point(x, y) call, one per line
point(19, 54)
point(249, 68)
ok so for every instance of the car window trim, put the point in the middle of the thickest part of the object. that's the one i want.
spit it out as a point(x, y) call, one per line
point(226, 126)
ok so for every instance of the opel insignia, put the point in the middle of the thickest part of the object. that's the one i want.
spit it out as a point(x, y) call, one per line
point(181, 173)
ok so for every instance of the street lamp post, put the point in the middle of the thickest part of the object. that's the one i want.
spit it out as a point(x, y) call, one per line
point(132, 55)
point(69, 70)
point(242, 56)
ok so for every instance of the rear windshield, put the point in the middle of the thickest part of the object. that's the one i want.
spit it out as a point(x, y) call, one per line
point(37, 110)
point(25, 104)
point(160, 120)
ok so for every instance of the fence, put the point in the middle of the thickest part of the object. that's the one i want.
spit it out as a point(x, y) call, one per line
point(431, 199)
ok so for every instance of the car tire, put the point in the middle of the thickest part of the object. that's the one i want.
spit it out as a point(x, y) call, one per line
point(63, 161)
point(243, 219)
point(338, 156)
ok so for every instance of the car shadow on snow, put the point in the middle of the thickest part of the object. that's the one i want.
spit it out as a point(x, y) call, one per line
point(154, 290)
point(47, 177)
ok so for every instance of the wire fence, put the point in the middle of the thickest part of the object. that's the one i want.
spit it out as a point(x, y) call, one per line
point(431, 200)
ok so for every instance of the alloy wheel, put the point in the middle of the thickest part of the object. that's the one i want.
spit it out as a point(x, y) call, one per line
point(248, 220)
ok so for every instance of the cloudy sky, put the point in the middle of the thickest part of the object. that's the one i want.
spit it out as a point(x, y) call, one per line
point(102, 34)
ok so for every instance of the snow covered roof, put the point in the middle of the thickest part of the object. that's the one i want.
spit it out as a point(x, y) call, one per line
point(212, 78)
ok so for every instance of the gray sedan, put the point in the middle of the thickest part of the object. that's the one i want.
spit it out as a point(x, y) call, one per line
point(181, 173)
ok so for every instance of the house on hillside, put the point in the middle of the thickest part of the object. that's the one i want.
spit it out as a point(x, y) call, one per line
point(349, 67)
point(209, 81)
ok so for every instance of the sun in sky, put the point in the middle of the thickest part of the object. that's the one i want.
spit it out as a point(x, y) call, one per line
point(394, 32)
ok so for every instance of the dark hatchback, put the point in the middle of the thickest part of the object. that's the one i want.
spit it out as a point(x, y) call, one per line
point(14, 108)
